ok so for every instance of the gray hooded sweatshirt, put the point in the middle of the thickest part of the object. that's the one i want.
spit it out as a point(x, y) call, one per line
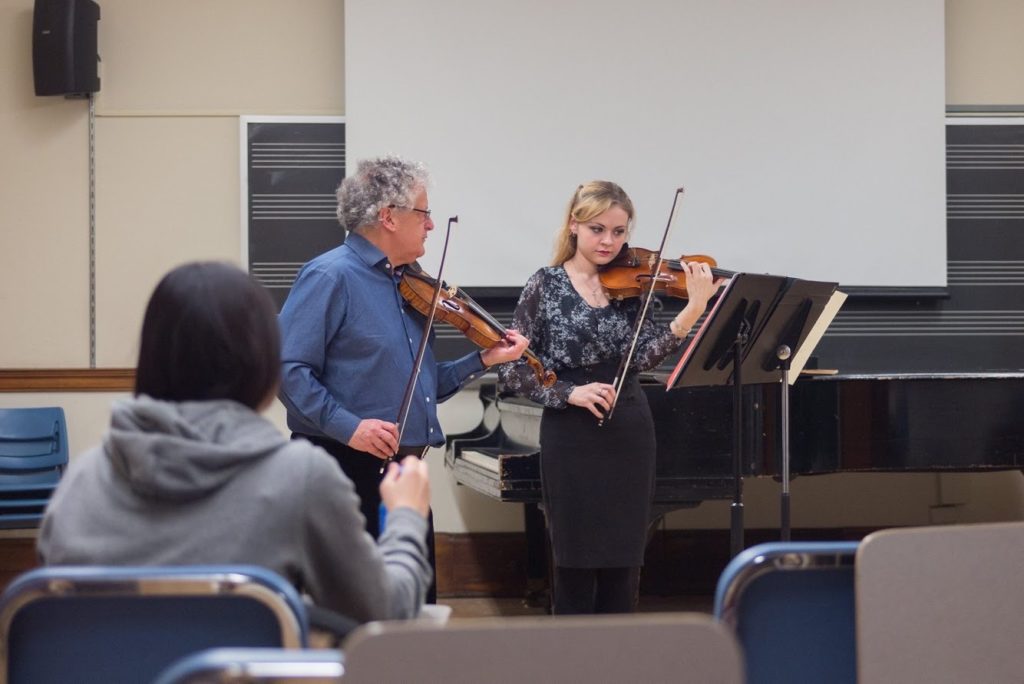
point(214, 482)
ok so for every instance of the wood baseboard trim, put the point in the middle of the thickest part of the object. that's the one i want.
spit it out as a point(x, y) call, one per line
point(677, 563)
point(17, 555)
point(67, 380)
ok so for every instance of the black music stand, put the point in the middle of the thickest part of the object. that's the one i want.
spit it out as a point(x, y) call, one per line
point(740, 343)
point(790, 333)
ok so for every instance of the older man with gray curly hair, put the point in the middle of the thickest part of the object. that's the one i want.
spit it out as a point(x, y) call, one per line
point(350, 340)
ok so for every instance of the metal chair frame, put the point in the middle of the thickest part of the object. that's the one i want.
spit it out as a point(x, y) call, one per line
point(783, 639)
point(100, 582)
point(254, 665)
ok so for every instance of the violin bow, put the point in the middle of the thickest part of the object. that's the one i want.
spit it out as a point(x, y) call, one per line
point(410, 387)
point(627, 358)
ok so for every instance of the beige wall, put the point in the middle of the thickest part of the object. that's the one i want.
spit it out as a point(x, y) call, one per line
point(984, 52)
point(175, 78)
point(44, 204)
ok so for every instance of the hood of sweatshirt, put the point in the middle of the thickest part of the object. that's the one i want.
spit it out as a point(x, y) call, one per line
point(181, 451)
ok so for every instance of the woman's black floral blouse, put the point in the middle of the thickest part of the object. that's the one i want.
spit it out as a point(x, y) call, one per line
point(566, 332)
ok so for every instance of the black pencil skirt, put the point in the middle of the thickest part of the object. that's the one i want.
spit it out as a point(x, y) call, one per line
point(598, 482)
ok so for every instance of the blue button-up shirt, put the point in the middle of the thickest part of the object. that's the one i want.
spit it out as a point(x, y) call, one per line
point(349, 341)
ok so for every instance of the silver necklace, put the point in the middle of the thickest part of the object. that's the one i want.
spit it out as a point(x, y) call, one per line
point(593, 290)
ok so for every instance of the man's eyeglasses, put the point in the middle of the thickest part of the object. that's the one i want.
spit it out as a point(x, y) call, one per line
point(425, 212)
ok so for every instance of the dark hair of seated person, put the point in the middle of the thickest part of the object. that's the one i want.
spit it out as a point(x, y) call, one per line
point(210, 332)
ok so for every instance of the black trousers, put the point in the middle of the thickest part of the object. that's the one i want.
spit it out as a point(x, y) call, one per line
point(364, 471)
point(580, 591)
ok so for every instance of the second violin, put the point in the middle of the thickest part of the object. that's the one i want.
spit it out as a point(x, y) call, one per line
point(629, 274)
point(457, 308)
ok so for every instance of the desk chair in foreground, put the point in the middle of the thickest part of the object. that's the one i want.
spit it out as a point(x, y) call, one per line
point(587, 649)
point(941, 604)
point(33, 455)
point(112, 625)
point(791, 605)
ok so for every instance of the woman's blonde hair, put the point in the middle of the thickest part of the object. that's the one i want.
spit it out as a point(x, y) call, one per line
point(590, 199)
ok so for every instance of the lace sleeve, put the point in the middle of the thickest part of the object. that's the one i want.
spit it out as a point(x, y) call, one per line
point(655, 343)
point(530, 320)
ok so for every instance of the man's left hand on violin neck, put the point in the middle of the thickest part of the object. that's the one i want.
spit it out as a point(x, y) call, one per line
point(509, 349)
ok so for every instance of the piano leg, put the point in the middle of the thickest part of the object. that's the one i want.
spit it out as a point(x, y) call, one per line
point(538, 557)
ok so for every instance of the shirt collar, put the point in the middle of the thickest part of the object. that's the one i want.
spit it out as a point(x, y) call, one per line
point(368, 252)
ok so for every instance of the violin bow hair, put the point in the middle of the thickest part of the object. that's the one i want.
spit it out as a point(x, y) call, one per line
point(410, 387)
point(627, 358)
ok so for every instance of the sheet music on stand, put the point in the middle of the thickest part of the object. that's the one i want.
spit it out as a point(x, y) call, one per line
point(760, 328)
point(777, 310)
point(803, 353)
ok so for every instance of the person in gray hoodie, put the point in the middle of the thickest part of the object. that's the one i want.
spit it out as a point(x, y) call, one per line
point(191, 473)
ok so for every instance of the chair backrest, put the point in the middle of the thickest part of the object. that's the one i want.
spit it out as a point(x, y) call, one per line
point(791, 605)
point(257, 666)
point(126, 624)
point(33, 454)
point(941, 604)
point(635, 648)
point(32, 439)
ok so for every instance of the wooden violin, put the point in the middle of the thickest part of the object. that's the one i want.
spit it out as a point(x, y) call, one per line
point(629, 274)
point(457, 308)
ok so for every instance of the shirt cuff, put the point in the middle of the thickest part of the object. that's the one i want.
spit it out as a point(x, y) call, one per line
point(342, 426)
point(469, 367)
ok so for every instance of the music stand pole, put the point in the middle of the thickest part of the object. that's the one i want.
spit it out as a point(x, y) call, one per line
point(736, 509)
point(784, 354)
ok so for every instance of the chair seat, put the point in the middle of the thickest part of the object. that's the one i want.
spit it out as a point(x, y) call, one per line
point(32, 491)
point(33, 456)
point(36, 481)
point(14, 505)
point(33, 439)
point(20, 521)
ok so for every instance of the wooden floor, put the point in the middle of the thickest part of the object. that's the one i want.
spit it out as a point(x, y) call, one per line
point(504, 607)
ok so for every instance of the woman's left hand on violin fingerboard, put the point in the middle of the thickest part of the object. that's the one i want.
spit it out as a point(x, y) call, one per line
point(509, 349)
point(700, 283)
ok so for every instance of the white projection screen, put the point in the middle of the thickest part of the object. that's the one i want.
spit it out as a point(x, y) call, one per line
point(808, 134)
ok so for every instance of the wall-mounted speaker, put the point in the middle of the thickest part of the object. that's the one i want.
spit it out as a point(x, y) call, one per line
point(64, 47)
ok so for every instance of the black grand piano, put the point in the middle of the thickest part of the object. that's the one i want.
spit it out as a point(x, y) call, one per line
point(840, 423)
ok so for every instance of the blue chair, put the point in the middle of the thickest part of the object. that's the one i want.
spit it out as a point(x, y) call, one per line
point(126, 624)
point(33, 455)
point(256, 666)
point(791, 605)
